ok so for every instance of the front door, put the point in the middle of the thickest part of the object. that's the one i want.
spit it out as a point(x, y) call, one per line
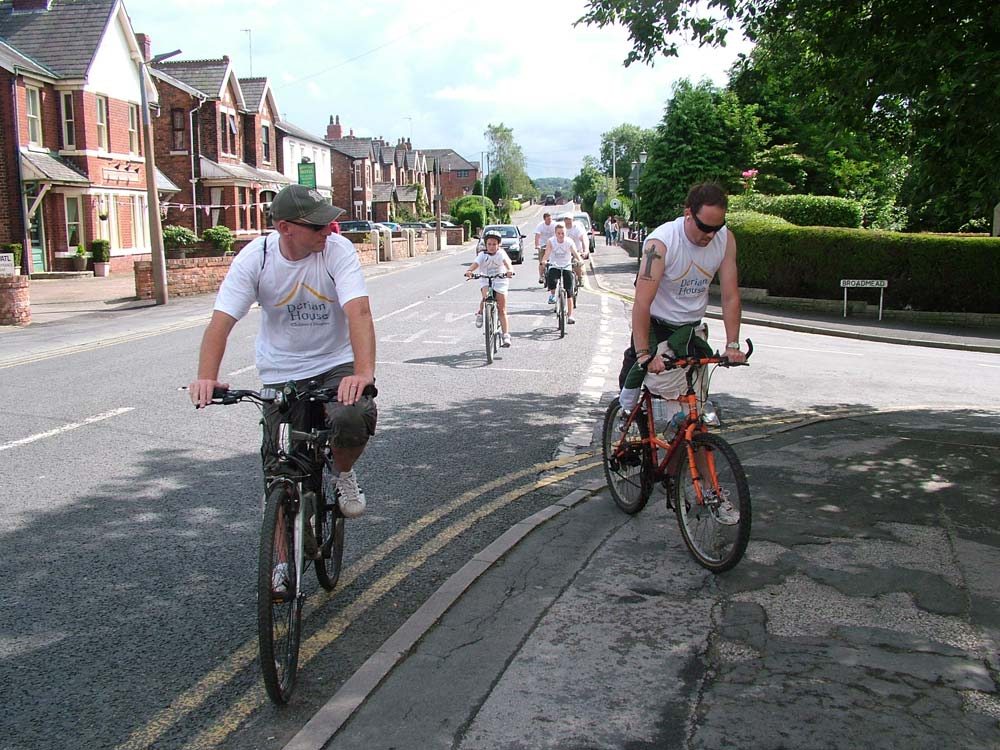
point(36, 230)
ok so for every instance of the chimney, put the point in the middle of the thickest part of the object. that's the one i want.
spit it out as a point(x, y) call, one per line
point(145, 45)
point(31, 6)
point(333, 130)
point(409, 146)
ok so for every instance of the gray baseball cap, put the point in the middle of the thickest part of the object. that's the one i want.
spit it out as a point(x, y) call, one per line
point(303, 204)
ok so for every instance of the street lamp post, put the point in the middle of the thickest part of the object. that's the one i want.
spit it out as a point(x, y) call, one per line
point(642, 166)
point(156, 255)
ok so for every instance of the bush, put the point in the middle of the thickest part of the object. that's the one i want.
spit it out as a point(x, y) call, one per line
point(221, 237)
point(177, 238)
point(803, 210)
point(100, 250)
point(466, 229)
point(794, 261)
point(472, 212)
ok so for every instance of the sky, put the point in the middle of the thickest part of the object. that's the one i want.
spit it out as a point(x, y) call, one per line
point(437, 72)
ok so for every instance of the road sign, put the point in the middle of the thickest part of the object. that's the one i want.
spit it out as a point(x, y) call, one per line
point(616, 204)
point(866, 283)
point(6, 264)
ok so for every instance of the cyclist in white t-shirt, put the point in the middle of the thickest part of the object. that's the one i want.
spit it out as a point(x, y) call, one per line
point(493, 261)
point(316, 324)
point(576, 232)
point(561, 255)
point(545, 230)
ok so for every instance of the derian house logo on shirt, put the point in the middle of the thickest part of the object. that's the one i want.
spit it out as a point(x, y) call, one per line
point(306, 312)
point(693, 285)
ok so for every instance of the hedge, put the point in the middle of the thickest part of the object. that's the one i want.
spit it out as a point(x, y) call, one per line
point(942, 273)
point(803, 210)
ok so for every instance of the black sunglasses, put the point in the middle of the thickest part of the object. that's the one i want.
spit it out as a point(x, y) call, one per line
point(311, 227)
point(707, 228)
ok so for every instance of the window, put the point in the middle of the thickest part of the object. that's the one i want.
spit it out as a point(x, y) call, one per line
point(177, 129)
point(102, 122)
point(265, 141)
point(133, 129)
point(463, 173)
point(74, 229)
point(139, 234)
point(357, 175)
point(232, 134)
point(222, 131)
point(34, 116)
point(69, 126)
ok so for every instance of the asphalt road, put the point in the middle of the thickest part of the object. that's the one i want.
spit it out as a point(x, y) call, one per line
point(130, 522)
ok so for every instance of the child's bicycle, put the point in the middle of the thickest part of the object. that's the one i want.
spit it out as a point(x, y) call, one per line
point(301, 489)
point(703, 479)
point(491, 315)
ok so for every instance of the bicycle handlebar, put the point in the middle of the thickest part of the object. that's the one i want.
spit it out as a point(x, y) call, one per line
point(489, 276)
point(286, 394)
point(673, 363)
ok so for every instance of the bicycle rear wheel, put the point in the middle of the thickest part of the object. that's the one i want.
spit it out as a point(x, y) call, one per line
point(628, 466)
point(489, 323)
point(561, 311)
point(717, 530)
point(279, 610)
point(329, 525)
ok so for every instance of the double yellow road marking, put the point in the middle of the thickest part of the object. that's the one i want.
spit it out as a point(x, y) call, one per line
point(193, 698)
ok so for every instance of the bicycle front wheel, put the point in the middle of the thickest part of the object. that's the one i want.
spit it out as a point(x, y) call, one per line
point(628, 463)
point(716, 529)
point(561, 311)
point(489, 323)
point(279, 610)
point(329, 524)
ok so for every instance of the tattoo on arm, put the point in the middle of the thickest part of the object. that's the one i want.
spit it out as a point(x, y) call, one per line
point(651, 255)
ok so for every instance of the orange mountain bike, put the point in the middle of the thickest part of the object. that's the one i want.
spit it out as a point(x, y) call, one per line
point(702, 477)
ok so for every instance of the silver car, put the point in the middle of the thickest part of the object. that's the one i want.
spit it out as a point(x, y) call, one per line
point(512, 242)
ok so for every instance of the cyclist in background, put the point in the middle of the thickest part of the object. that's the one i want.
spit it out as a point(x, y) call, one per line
point(576, 232)
point(493, 261)
point(561, 255)
point(543, 233)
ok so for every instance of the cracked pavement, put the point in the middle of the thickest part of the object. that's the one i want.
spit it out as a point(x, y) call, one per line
point(865, 613)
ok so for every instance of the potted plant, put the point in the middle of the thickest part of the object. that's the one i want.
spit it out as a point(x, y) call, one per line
point(176, 240)
point(100, 251)
point(220, 237)
point(80, 259)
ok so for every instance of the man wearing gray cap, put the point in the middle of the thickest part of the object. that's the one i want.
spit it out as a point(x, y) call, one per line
point(316, 324)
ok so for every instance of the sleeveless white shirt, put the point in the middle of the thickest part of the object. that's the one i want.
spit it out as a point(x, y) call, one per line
point(683, 293)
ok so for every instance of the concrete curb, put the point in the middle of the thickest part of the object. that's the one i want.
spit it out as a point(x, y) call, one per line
point(326, 722)
point(822, 331)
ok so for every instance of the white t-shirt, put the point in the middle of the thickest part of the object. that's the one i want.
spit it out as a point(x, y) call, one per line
point(682, 296)
point(579, 236)
point(491, 265)
point(561, 253)
point(545, 232)
point(303, 329)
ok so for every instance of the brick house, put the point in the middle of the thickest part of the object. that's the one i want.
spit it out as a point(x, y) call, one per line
point(354, 170)
point(72, 166)
point(220, 144)
point(458, 175)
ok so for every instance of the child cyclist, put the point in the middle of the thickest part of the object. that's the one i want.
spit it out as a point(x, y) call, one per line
point(493, 261)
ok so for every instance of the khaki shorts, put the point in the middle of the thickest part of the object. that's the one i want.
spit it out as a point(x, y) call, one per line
point(350, 426)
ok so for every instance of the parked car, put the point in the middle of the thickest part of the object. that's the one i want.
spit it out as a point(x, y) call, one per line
point(391, 225)
point(415, 225)
point(550, 200)
point(448, 224)
point(357, 225)
point(584, 218)
point(512, 242)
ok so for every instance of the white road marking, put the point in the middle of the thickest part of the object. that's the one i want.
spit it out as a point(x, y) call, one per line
point(983, 364)
point(397, 312)
point(240, 371)
point(450, 288)
point(821, 351)
point(434, 364)
point(66, 428)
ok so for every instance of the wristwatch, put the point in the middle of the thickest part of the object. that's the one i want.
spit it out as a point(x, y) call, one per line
point(733, 345)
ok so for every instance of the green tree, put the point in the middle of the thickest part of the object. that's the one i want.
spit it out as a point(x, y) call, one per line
point(507, 159)
point(622, 146)
point(920, 74)
point(705, 134)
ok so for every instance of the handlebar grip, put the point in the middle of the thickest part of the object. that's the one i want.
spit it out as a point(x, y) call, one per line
point(218, 392)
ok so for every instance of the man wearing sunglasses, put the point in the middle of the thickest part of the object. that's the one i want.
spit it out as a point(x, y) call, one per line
point(679, 260)
point(316, 324)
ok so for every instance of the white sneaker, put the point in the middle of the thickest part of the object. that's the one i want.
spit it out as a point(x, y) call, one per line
point(351, 498)
point(505, 341)
point(279, 578)
point(479, 320)
point(552, 299)
point(570, 319)
point(727, 514)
